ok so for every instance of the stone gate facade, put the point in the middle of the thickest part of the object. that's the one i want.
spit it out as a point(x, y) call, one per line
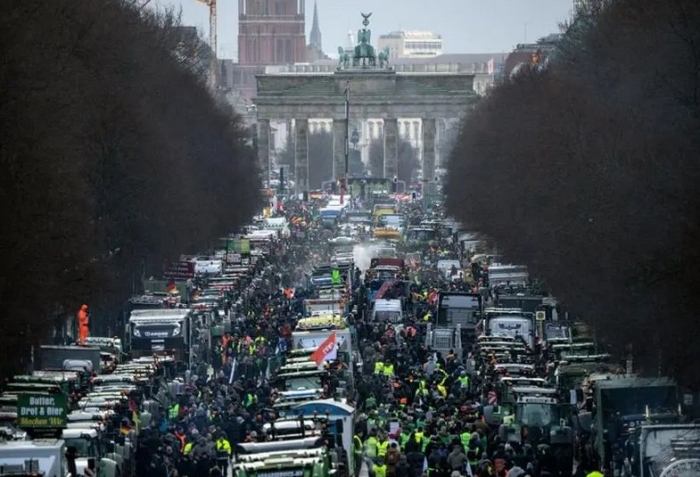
point(373, 93)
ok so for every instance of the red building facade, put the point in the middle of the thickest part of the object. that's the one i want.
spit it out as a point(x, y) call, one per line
point(271, 32)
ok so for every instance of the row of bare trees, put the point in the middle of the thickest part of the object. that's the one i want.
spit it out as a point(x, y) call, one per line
point(588, 170)
point(114, 155)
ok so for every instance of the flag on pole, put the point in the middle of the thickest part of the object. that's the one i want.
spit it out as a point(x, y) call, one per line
point(328, 350)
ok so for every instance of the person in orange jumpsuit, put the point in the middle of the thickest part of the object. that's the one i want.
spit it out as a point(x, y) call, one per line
point(83, 324)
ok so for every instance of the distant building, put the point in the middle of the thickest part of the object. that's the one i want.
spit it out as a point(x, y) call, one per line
point(270, 32)
point(314, 50)
point(411, 44)
point(350, 43)
point(467, 63)
point(529, 54)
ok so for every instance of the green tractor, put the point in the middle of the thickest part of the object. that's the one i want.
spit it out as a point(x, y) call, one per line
point(509, 389)
point(540, 419)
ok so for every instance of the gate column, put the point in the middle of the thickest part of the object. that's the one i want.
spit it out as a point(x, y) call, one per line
point(339, 131)
point(263, 146)
point(429, 130)
point(391, 148)
point(301, 155)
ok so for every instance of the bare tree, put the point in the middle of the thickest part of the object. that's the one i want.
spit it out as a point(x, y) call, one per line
point(114, 155)
point(588, 171)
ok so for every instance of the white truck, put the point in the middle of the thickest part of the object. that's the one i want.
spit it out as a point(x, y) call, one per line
point(88, 446)
point(508, 274)
point(511, 322)
point(45, 457)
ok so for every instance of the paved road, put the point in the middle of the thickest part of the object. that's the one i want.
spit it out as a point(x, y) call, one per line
point(364, 471)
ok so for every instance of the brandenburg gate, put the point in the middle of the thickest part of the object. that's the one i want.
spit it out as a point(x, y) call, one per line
point(375, 91)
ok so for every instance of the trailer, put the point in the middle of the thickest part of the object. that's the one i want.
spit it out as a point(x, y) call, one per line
point(444, 340)
point(55, 357)
point(459, 309)
point(628, 399)
point(668, 450)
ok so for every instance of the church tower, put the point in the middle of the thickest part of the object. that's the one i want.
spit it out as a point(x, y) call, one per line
point(315, 40)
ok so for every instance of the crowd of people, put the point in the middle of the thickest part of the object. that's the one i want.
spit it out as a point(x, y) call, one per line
point(418, 412)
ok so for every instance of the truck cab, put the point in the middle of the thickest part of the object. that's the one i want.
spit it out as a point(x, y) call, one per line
point(88, 445)
point(540, 419)
point(387, 311)
point(511, 322)
point(44, 457)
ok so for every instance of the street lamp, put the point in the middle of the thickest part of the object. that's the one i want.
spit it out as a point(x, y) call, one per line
point(355, 138)
point(347, 142)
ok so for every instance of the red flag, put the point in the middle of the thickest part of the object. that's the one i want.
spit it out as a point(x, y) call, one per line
point(172, 286)
point(326, 351)
point(492, 398)
point(432, 298)
point(383, 289)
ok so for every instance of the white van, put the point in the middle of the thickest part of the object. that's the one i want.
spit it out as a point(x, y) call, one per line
point(387, 311)
point(205, 265)
point(278, 224)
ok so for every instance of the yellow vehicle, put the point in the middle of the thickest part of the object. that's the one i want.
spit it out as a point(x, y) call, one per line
point(386, 233)
point(322, 322)
point(381, 210)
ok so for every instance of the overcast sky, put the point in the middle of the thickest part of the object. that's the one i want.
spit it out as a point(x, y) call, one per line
point(466, 26)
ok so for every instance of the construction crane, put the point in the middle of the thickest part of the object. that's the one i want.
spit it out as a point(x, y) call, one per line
point(212, 41)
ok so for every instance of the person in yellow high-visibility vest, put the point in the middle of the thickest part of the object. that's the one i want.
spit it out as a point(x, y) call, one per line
point(371, 445)
point(388, 370)
point(379, 367)
point(382, 447)
point(357, 449)
point(379, 469)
